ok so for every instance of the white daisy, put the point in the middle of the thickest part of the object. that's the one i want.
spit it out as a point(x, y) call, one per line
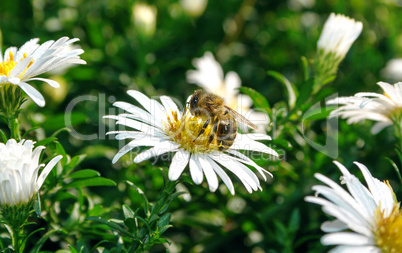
point(165, 129)
point(338, 35)
point(393, 69)
point(385, 108)
point(20, 66)
point(209, 76)
point(367, 219)
point(19, 167)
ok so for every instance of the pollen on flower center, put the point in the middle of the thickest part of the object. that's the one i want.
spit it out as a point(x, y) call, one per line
point(7, 66)
point(185, 131)
point(388, 234)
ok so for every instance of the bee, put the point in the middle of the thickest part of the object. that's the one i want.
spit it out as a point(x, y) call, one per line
point(224, 119)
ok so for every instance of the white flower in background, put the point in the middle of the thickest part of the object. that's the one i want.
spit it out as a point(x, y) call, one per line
point(144, 18)
point(194, 8)
point(19, 167)
point(338, 35)
point(385, 108)
point(209, 76)
point(20, 66)
point(367, 219)
point(393, 69)
point(165, 129)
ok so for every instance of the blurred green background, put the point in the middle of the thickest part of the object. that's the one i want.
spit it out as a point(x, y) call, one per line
point(249, 37)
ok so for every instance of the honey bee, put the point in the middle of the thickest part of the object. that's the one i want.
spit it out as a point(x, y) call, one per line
point(223, 118)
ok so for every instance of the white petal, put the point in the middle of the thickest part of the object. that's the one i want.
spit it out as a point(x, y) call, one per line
point(179, 163)
point(333, 226)
point(33, 93)
point(52, 83)
point(210, 174)
point(222, 174)
point(157, 150)
point(46, 171)
point(346, 238)
point(195, 169)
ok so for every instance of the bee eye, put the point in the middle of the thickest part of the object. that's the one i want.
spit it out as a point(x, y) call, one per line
point(194, 102)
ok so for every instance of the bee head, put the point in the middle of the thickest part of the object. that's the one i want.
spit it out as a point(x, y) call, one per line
point(194, 101)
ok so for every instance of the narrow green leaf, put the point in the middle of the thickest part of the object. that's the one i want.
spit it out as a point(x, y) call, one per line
point(98, 181)
point(29, 130)
point(306, 68)
point(76, 160)
point(259, 100)
point(84, 174)
point(164, 220)
point(111, 225)
point(305, 92)
point(393, 164)
point(292, 90)
point(64, 129)
point(131, 225)
point(3, 137)
point(36, 205)
point(294, 222)
point(38, 245)
point(142, 194)
point(46, 141)
point(128, 213)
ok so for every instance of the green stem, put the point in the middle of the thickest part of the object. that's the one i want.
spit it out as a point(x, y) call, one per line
point(14, 128)
point(16, 238)
point(157, 209)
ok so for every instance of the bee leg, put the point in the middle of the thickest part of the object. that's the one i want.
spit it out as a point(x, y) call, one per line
point(211, 138)
point(203, 129)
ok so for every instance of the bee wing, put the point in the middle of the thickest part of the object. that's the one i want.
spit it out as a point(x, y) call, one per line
point(241, 118)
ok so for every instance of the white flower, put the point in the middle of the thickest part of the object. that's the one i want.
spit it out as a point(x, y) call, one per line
point(194, 7)
point(165, 129)
point(19, 167)
point(393, 69)
point(384, 108)
point(370, 215)
point(144, 18)
point(338, 34)
point(20, 66)
point(209, 76)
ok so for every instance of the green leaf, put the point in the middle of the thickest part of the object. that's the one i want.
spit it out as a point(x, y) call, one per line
point(3, 136)
point(292, 90)
point(283, 143)
point(259, 100)
point(294, 222)
point(84, 174)
point(30, 130)
point(142, 194)
point(111, 225)
point(318, 113)
point(128, 213)
point(36, 205)
point(306, 68)
point(76, 160)
point(46, 141)
point(98, 181)
point(131, 224)
point(164, 220)
point(38, 245)
point(305, 92)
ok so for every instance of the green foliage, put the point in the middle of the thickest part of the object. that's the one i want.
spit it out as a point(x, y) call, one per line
point(89, 205)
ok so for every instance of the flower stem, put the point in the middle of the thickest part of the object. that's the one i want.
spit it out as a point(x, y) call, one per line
point(14, 128)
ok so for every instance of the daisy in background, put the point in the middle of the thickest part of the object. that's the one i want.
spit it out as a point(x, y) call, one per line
point(367, 219)
point(336, 38)
point(164, 128)
point(385, 108)
point(20, 66)
point(209, 76)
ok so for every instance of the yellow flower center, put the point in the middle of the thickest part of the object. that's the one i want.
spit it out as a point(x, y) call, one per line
point(185, 131)
point(388, 234)
point(7, 66)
